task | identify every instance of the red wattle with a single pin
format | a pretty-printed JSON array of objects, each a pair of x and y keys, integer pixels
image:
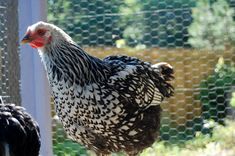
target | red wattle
[{"x": 38, "y": 43}]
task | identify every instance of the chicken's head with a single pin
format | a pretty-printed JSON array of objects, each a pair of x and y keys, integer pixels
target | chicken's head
[{"x": 37, "y": 35}]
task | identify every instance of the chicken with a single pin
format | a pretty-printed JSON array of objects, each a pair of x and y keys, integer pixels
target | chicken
[
  {"x": 108, "y": 105},
  {"x": 19, "y": 133}
]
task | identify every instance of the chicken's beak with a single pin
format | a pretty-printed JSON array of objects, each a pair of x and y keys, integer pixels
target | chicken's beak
[{"x": 26, "y": 39}]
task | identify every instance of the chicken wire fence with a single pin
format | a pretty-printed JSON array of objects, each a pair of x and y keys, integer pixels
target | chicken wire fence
[
  {"x": 9, "y": 58},
  {"x": 195, "y": 36}
]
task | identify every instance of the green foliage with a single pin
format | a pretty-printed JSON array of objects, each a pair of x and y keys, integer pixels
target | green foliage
[
  {"x": 213, "y": 26},
  {"x": 221, "y": 142},
  {"x": 87, "y": 22},
  {"x": 166, "y": 22},
  {"x": 69, "y": 148},
  {"x": 215, "y": 90},
  {"x": 137, "y": 22},
  {"x": 177, "y": 134},
  {"x": 133, "y": 31},
  {"x": 155, "y": 23},
  {"x": 232, "y": 102},
  {"x": 62, "y": 146}
]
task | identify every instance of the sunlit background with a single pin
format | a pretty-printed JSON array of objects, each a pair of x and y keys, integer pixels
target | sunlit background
[{"x": 197, "y": 37}]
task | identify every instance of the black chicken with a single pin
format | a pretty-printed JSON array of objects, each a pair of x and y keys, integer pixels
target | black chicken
[
  {"x": 108, "y": 105},
  {"x": 19, "y": 133}
]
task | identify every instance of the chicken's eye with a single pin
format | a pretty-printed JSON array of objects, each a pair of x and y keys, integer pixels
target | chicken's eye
[{"x": 41, "y": 32}]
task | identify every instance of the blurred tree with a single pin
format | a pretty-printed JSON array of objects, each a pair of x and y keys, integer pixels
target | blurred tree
[
  {"x": 88, "y": 22},
  {"x": 159, "y": 23},
  {"x": 232, "y": 102},
  {"x": 166, "y": 22},
  {"x": 131, "y": 22},
  {"x": 137, "y": 22},
  {"x": 215, "y": 91},
  {"x": 213, "y": 26}
]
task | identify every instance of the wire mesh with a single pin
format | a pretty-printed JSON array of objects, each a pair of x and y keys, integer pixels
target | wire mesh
[
  {"x": 188, "y": 34},
  {"x": 9, "y": 58}
]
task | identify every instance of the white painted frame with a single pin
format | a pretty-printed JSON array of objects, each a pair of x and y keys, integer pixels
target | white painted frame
[{"x": 34, "y": 85}]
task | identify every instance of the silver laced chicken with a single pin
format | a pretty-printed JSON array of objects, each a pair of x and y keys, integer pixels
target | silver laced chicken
[{"x": 108, "y": 105}]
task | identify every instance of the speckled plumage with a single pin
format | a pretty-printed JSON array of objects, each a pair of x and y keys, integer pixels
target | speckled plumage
[{"x": 108, "y": 105}]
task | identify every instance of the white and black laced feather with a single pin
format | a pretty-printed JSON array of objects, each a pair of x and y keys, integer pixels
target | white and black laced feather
[{"x": 108, "y": 105}]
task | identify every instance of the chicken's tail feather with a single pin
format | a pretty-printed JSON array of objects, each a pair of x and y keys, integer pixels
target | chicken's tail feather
[
  {"x": 166, "y": 70},
  {"x": 166, "y": 73}
]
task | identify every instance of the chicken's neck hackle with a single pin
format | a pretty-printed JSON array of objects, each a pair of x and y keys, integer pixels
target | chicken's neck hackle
[{"x": 67, "y": 62}]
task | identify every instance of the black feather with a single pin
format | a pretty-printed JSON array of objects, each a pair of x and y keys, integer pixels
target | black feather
[{"x": 18, "y": 131}]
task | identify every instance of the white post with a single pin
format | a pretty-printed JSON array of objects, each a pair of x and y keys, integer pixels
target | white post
[{"x": 34, "y": 86}]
